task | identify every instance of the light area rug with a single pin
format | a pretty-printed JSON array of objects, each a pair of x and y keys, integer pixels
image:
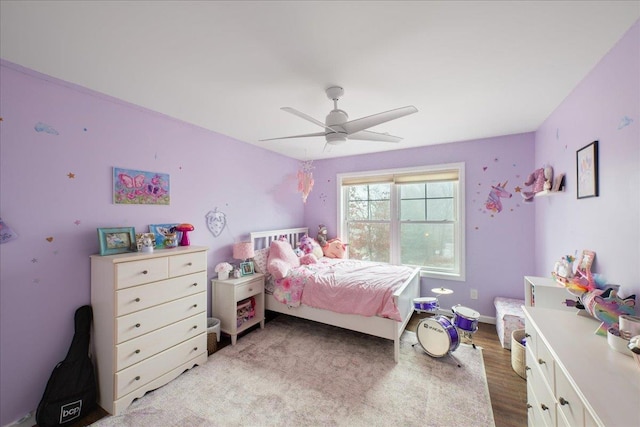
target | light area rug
[{"x": 301, "y": 373}]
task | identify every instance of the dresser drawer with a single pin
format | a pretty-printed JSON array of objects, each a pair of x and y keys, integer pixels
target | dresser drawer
[
  {"x": 180, "y": 265},
  {"x": 544, "y": 397},
  {"x": 535, "y": 417},
  {"x": 140, "y": 297},
  {"x": 136, "y": 350},
  {"x": 569, "y": 404},
  {"x": 532, "y": 338},
  {"x": 546, "y": 363},
  {"x": 141, "y": 322},
  {"x": 249, "y": 289},
  {"x": 139, "y": 374},
  {"x": 139, "y": 272}
]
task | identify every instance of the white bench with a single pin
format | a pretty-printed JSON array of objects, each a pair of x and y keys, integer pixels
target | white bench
[{"x": 509, "y": 317}]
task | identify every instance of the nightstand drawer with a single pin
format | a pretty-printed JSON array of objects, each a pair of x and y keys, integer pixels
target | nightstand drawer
[
  {"x": 138, "y": 375},
  {"x": 249, "y": 289},
  {"x": 180, "y": 265},
  {"x": 138, "y": 272},
  {"x": 141, "y": 322},
  {"x": 136, "y": 350},
  {"x": 140, "y": 297}
]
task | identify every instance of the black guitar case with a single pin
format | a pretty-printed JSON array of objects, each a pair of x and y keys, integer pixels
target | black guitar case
[{"x": 71, "y": 390}]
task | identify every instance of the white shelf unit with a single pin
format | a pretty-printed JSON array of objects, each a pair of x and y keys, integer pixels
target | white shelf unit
[{"x": 546, "y": 293}]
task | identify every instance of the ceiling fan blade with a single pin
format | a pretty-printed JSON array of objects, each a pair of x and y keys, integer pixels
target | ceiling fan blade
[
  {"x": 295, "y": 136},
  {"x": 306, "y": 117},
  {"x": 363, "y": 123},
  {"x": 367, "y": 135}
]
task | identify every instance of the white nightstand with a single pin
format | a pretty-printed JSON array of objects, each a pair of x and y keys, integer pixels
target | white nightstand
[{"x": 226, "y": 294}]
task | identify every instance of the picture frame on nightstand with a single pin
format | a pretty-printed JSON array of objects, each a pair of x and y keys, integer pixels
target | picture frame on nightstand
[{"x": 246, "y": 268}]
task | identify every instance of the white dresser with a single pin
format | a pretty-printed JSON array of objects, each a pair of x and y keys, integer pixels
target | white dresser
[
  {"x": 573, "y": 377},
  {"x": 149, "y": 320}
]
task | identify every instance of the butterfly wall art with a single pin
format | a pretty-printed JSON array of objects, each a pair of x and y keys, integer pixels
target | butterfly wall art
[{"x": 134, "y": 187}]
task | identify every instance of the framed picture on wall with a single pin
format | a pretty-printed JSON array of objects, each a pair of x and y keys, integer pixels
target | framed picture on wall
[
  {"x": 587, "y": 169},
  {"x": 117, "y": 240}
]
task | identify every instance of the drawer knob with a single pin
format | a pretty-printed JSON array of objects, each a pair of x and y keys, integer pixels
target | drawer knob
[
  {"x": 189, "y": 264},
  {"x": 541, "y": 362},
  {"x": 526, "y": 368},
  {"x": 563, "y": 401},
  {"x": 195, "y": 348},
  {"x": 195, "y": 305},
  {"x": 138, "y": 351},
  {"x": 544, "y": 407},
  {"x": 137, "y": 300},
  {"x": 195, "y": 284},
  {"x": 250, "y": 289},
  {"x": 138, "y": 378},
  {"x": 529, "y": 406},
  {"x": 137, "y": 325},
  {"x": 195, "y": 326},
  {"x": 145, "y": 271},
  {"x": 526, "y": 335}
]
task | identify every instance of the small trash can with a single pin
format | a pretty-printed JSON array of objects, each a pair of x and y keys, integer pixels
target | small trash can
[
  {"x": 518, "y": 352},
  {"x": 213, "y": 334}
]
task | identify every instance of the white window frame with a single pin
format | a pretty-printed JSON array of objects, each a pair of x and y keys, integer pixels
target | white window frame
[{"x": 460, "y": 224}]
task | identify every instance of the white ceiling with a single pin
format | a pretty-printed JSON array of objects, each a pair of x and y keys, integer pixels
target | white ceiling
[{"x": 473, "y": 69}]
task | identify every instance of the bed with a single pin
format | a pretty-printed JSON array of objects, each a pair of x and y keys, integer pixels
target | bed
[{"x": 383, "y": 327}]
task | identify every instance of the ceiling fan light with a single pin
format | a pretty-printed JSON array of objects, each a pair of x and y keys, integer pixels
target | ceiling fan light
[{"x": 335, "y": 138}]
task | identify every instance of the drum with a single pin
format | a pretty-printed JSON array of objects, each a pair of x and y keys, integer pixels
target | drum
[
  {"x": 426, "y": 303},
  {"x": 437, "y": 336},
  {"x": 465, "y": 318}
]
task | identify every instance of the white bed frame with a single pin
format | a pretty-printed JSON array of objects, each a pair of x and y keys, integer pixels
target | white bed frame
[{"x": 376, "y": 326}]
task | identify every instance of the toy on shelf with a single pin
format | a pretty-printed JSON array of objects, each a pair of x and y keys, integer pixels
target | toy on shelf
[{"x": 537, "y": 179}]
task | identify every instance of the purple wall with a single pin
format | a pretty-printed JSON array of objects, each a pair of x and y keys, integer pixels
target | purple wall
[
  {"x": 597, "y": 109},
  {"x": 42, "y": 282},
  {"x": 499, "y": 246}
]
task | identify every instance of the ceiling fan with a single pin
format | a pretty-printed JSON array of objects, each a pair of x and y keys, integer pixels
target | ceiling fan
[{"x": 337, "y": 129}]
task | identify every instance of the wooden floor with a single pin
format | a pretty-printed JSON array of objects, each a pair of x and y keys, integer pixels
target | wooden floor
[{"x": 508, "y": 391}]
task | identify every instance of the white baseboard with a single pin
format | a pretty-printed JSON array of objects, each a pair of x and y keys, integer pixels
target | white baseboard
[{"x": 28, "y": 420}]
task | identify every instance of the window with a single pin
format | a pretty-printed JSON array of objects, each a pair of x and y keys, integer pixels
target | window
[{"x": 407, "y": 216}]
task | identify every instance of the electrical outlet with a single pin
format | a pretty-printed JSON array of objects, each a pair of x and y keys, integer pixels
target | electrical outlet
[{"x": 474, "y": 294}]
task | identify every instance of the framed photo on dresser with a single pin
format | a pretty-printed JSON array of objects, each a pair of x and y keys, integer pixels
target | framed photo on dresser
[{"x": 117, "y": 240}]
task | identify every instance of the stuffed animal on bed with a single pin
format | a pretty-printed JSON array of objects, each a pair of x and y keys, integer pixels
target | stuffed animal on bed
[
  {"x": 308, "y": 245},
  {"x": 322, "y": 235},
  {"x": 334, "y": 249}
]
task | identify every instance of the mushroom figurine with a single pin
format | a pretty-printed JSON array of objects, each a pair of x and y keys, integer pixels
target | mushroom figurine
[{"x": 185, "y": 228}]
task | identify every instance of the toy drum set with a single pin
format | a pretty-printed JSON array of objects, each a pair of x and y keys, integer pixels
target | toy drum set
[{"x": 439, "y": 336}]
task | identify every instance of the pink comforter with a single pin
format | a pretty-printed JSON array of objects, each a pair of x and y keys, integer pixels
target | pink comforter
[{"x": 344, "y": 286}]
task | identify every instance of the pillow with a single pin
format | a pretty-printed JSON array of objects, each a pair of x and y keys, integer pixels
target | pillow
[
  {"x": 281, "y": 259},
  {"x": 307, "y": 259},
  {"x": 260, "y": 260}
]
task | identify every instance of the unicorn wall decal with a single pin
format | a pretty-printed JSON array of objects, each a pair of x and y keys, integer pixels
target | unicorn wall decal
[{"x": 497, "y": 192}]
